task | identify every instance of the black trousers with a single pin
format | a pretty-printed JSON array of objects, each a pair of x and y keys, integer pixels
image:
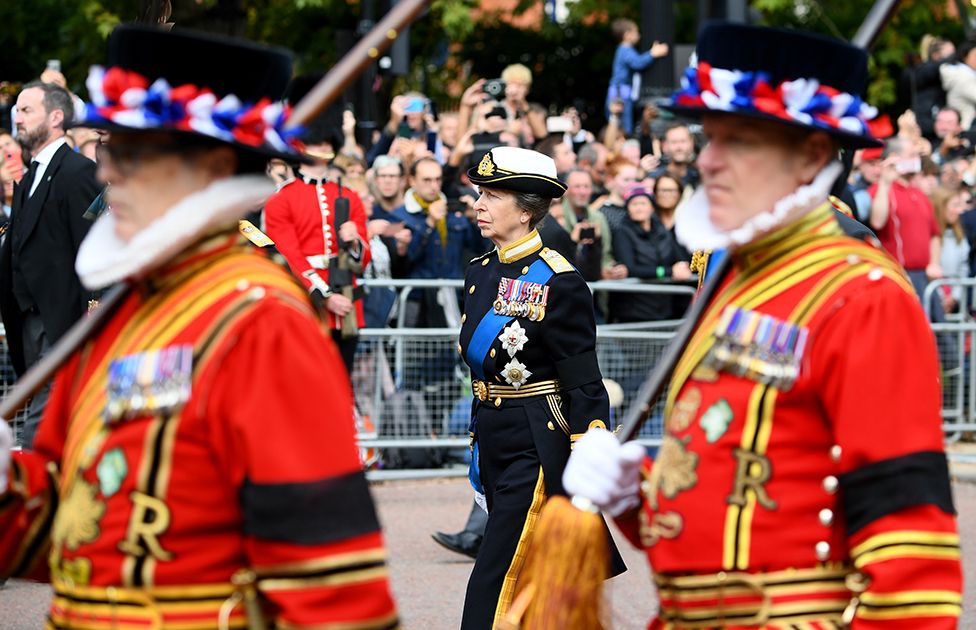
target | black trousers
[
  {"x": 521, "y": 462},
  {"x": 347, "y": 348},
  {"x": 36, "y": 346}
]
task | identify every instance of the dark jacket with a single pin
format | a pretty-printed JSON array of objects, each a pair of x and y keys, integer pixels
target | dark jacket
[
  {"x": 922, "y": 87},
  {"x": 427, "y": 257},
  {"x": 648, "y": 255},
  {"x": 45, "y": 232}
]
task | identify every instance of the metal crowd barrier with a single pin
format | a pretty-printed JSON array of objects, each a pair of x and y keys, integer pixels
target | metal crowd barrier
[
  {"x": 954, "y": 338},
  {"x": 413, "y": 393}
]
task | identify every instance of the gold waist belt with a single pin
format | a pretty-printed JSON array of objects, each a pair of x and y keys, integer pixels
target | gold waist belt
[
  {"x": 783, "y": 597},
  {"x": 484, "y": 390}
]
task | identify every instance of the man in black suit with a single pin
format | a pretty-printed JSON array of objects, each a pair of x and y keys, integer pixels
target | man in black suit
[{"x": 40, "y": 294}]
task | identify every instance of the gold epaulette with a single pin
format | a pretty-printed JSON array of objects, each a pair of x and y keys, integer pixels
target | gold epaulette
[
  {"x": 699, "y": 264},
  {"x": 253, "y": 234},
  {"x": 556, "y": 261}
]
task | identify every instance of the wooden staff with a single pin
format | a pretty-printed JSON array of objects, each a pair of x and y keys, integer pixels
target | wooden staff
[
  {"x": 325, "y": 92},
  {"x": 367, "y": 51}
]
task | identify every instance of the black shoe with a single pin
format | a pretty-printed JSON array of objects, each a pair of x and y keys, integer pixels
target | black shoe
[{"x": 465, "y": 543}]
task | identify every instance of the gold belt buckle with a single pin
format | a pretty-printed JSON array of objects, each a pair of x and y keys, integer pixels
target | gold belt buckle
[
  {"x": 480, "y": 390},
  {"x": 726, "y": 580}
]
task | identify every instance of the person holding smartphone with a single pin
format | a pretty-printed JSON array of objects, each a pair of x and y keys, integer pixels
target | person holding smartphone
[
  {"x": 903, "y": 218},
  {"x": 12, "y": 168}
]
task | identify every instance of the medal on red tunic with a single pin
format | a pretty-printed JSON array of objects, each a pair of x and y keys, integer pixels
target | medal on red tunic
[
  {"x": 149, "y": 383},
  {"x": 757, "y": 346}
]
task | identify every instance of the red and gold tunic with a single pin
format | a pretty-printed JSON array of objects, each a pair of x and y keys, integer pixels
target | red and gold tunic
[
  {"x": 300, "y": 219},
  {"x": 781, "y": 500},
  {"x": 199, "y": 510}
]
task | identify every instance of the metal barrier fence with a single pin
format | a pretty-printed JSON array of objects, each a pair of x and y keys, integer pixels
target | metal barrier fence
[
  {"x": 413, "y": 393},
  {"x": 954, "y": 338}
]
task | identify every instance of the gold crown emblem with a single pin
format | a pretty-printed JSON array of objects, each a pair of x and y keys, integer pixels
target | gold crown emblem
[{"x": 486, "y": 168}]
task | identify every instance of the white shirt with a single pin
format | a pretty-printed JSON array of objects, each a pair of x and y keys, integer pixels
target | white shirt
[{"x": 43, "y": 159}]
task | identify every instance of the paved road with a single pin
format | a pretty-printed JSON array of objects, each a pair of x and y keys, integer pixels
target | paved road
[{"x": 429, "y": 581}]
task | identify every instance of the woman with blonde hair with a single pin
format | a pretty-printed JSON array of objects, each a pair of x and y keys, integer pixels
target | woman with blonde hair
[{"x": 949, "y": 205}]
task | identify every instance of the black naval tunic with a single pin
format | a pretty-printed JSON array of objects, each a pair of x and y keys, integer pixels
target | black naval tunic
[{"x": 529, "y": 336}]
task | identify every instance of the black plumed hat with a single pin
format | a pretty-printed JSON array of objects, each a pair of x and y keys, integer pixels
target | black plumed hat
[
  {"x": 793, "y": 77},
  {"x": 195, "y": 84}
]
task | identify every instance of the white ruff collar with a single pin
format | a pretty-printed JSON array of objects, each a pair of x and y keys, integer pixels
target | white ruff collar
[
  {"x": 695, "y": 230},
  {"x": 104, "y": 258}
]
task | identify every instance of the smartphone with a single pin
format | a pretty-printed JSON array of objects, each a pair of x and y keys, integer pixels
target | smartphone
[
  {"x": 909, "y": 166},
  {"x": 588, "y": 233},
  {"x": 54, "y": 64},
  {"x": 10, "y": 158},
  {"x": 404, "y": 130},
  {"x": 559, "y": 124},
  {"x": 432, "y": 141}
]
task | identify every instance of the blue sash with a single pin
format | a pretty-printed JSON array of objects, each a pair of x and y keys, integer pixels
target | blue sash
[{"x": 492, "y": 323}]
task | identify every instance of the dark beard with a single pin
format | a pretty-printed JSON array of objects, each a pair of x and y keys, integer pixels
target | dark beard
[{"x": 34, "y": 138}]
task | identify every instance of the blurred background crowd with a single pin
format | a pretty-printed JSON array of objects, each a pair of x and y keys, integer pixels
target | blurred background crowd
[{"x": 627, "y": 164}]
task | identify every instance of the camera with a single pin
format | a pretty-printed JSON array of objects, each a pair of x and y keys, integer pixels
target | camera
[
  {"x": 495, "y": 88},
  {"x": 587, "y": 233}
]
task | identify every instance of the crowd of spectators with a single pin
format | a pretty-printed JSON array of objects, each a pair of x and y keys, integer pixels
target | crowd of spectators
[{"x": 626, "y": 178}]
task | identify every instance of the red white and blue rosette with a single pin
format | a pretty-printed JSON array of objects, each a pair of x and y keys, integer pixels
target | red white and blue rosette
[
  {"x": 801, "y": 102},
  {"x": 124, "y": 99}
]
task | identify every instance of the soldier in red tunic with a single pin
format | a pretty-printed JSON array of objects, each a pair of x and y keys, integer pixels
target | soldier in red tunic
[
  {"x": 801, "y": 480},
  {"x": 323, "y": 238},
  {"x": 185, "y": 473}
]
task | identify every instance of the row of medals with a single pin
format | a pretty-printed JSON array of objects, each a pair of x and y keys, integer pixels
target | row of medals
[
  {"x": 759, "y": 347},
  {"x": 151, "y": 382},
  {"x": 529, "y": 310}
]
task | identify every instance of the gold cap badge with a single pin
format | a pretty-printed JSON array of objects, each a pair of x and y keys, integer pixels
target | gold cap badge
[{"x": 486, "y": 168}]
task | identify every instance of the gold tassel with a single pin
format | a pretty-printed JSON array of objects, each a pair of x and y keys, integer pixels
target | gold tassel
[
  {"x": 561, "y": 585},
  {"x": 246, "y": 582}
]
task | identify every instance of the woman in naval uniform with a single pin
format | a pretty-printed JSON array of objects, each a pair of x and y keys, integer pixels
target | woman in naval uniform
[{"x": 529, "y": 336}]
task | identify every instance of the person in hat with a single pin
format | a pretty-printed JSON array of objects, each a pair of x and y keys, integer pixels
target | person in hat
[
  {"x": 528, "y": 334},
  {"x": 186, "y": 473},
  {"x": 801, "y": 480},
  {"x": 325, "y": 250},
  {"x": 648, "y": 251}
]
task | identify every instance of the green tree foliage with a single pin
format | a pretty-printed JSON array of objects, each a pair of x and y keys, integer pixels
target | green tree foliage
[
  {"x": 448, "y": 48},
  {"x": 896, "y": 48},
  {"x": 72, "y": 31}
]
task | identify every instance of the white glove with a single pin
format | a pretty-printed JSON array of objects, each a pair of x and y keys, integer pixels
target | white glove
[
  {"x": 6, "y": 443},
  {"x": 605, "y": 471}
]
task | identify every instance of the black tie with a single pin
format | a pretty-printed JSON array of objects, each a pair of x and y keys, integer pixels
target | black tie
[{"x": 28, "y": 180}]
